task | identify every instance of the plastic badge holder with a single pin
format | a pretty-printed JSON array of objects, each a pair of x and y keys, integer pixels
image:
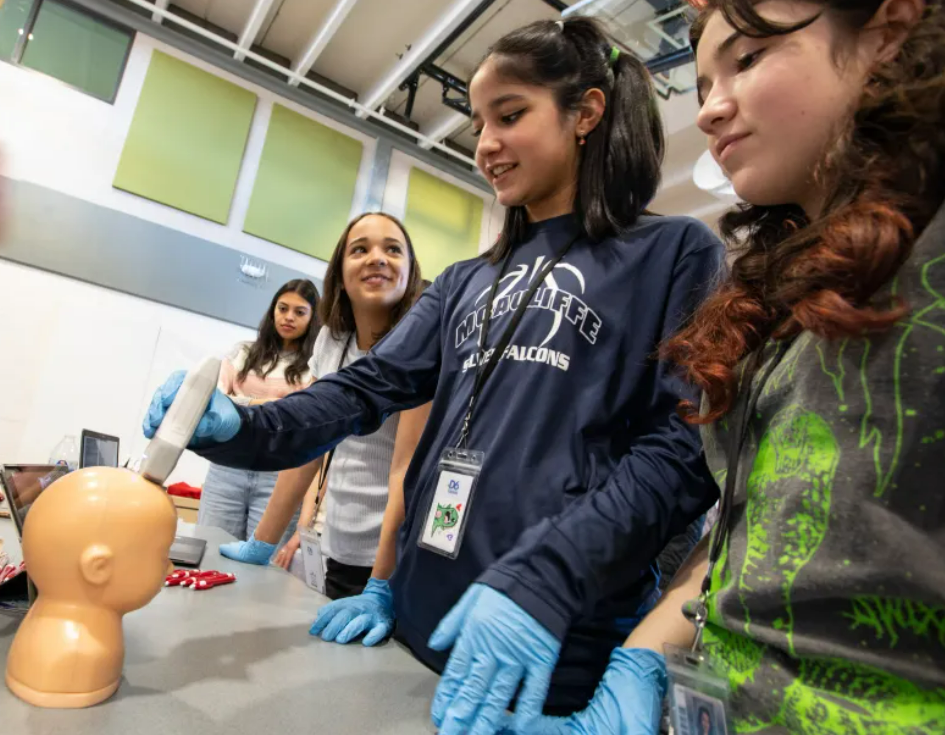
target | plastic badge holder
[
  {"x": 698, "y": 695},
  {"x": 312, "y": 559},
  {"x": 445, "y": 524}
]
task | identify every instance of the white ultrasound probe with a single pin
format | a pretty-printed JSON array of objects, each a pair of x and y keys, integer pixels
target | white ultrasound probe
[{"x": 180, "y": 422}]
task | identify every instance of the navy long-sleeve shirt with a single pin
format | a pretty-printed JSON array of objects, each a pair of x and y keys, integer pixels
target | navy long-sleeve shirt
[{"x": 588, "y": 468}]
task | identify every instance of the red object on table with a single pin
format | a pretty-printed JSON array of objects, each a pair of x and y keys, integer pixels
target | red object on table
[
  {"x": 198, "y": 579},
  {"x": 205, "y": 583},
  {"x": 183, "y": 490},
  {"x": 10, "y": 571}
]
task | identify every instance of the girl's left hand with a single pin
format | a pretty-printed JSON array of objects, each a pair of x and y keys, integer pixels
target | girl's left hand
[{"x": 286, "y": 553}]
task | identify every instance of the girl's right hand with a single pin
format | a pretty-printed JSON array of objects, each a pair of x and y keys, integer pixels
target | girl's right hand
[
  {"x": 287, "y": 553},
  {"x": 219, "y": 423}
]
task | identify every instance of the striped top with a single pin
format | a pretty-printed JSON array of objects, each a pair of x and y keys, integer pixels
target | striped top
[{"x": 360, "y": 469}]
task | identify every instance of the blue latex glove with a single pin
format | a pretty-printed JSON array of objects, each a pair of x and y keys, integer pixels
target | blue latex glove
[
  {"x": 219, "y": 423},
  {"x": 252, "y": 551},
  {"x": 628, "y": 699},
  {"x": 371, "y": 612},
  {"x": 497, "y": 644}
]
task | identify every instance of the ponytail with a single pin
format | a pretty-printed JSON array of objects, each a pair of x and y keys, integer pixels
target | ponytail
[{"x": 619, "y": 170}]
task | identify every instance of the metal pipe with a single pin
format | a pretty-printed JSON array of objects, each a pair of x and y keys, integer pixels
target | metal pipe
[
  {"x": 659, "y": 64},
  {"x": 304, "y": 81},
  {"x": 458, "y": 31},
  {"x": 449, "y": 81},
  {"x": 411, "y": 85}
]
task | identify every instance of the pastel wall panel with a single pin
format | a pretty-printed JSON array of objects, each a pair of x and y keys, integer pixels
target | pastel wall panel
[
  {"x": 305, "y": 184},
  {"x": 187, "y": 138},
  {"x": 444, "y": 222}
]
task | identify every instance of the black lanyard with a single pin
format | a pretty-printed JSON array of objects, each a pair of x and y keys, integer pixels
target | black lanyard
[
  {"x": 324, "y": 477},
  {"x": 484, "y": 371},
  {"x": 745, "y": 405}
]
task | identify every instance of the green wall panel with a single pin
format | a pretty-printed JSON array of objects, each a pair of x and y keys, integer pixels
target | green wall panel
[
  {"x": 79, "y": 50},
  {"x": 305, "y": 184},
  {"x": 13, "y": 16},
  {"x": 444, "y": 222},
  {"x": 187, "y": 138}
]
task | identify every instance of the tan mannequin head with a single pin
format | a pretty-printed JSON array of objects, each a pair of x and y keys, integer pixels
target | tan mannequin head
[{"x": 96, "y": 545}]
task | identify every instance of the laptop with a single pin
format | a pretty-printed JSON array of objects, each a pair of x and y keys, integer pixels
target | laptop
[
  {"x": 98, "y": 450},
  {"x": 22, "y": 484}
]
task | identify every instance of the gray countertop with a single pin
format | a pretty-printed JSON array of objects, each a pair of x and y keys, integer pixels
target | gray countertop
[{"x": 238, "y": 659}]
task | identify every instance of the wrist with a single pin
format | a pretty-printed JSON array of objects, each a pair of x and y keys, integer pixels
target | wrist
[
  {"x": 640, "y": 665},
  {"x": 380, "y": 588},
  {"x": 260, "y": 543}
]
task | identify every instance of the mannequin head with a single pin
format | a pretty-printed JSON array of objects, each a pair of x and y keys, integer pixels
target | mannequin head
[{"x": 100, "y": 537}]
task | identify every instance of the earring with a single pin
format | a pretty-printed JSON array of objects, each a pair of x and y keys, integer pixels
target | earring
[{"x": 581, "y": 140}]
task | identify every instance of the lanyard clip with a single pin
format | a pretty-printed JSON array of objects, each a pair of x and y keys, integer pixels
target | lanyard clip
[
  {"x": 699, "y": 621},
  {"x": 701, "y": 616}
]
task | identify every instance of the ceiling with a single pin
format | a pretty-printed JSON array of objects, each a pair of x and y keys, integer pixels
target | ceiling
[{"x": 363, "y": 44}]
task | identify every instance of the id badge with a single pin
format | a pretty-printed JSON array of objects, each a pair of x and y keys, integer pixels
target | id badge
[
  {"x": 446, "y": 519},
  {"x": 698, "y": 696},
  {"x": 312, "y": 560}
]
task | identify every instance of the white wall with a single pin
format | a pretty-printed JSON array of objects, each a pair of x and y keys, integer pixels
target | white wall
[{"x": 75, "y": 356}]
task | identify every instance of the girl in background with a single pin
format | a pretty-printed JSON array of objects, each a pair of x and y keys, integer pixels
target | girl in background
[
  {"x": 273, "y": 366},
  {"x": 373, "y": 279}
]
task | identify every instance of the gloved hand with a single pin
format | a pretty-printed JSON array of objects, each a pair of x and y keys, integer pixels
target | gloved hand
[
  {"x": 498, "y": 645},
  {"x": 252, "y": 551},
  {"x": 219, "y": 423},
  {"x": 628, "y": 699},
  {"x": 344, "y": 620}
]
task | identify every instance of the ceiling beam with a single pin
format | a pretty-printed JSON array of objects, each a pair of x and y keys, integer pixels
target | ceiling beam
[
  {"x": 458, "y": 13},
  {"x": 251, "y": 29},
  {"x": 208, "y": 53},
  {"x": 162, "y": 4},
  {"x": 330, "y": 25},
  {"x": 443, "y": 127}
]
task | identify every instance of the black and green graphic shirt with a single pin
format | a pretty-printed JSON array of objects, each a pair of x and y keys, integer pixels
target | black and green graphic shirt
[{"x": 827, "y": 609}]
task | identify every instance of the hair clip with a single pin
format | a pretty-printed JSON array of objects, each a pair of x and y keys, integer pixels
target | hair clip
[
  {"x": 614, "y": 55},
  {"x": 560, "y": 24}
]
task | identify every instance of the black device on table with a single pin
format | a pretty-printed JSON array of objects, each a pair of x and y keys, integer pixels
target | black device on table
[
  {"x": 187, "y": 551},
  {"x": 98, "y": 450}
]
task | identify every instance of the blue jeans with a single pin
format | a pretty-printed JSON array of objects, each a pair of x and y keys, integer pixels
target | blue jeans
[{"x": 235, "y": 500}]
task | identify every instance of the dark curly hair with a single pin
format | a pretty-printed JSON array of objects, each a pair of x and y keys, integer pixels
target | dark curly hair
[{"x": 885, "y": 179}]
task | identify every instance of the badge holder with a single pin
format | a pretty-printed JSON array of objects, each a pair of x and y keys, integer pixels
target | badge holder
[
  {"x": 312, "y": 560},
  {"x": 698, "y": 692},
  {"x": 446, "y": 520},
  {"x": 698, "y": 696}
]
